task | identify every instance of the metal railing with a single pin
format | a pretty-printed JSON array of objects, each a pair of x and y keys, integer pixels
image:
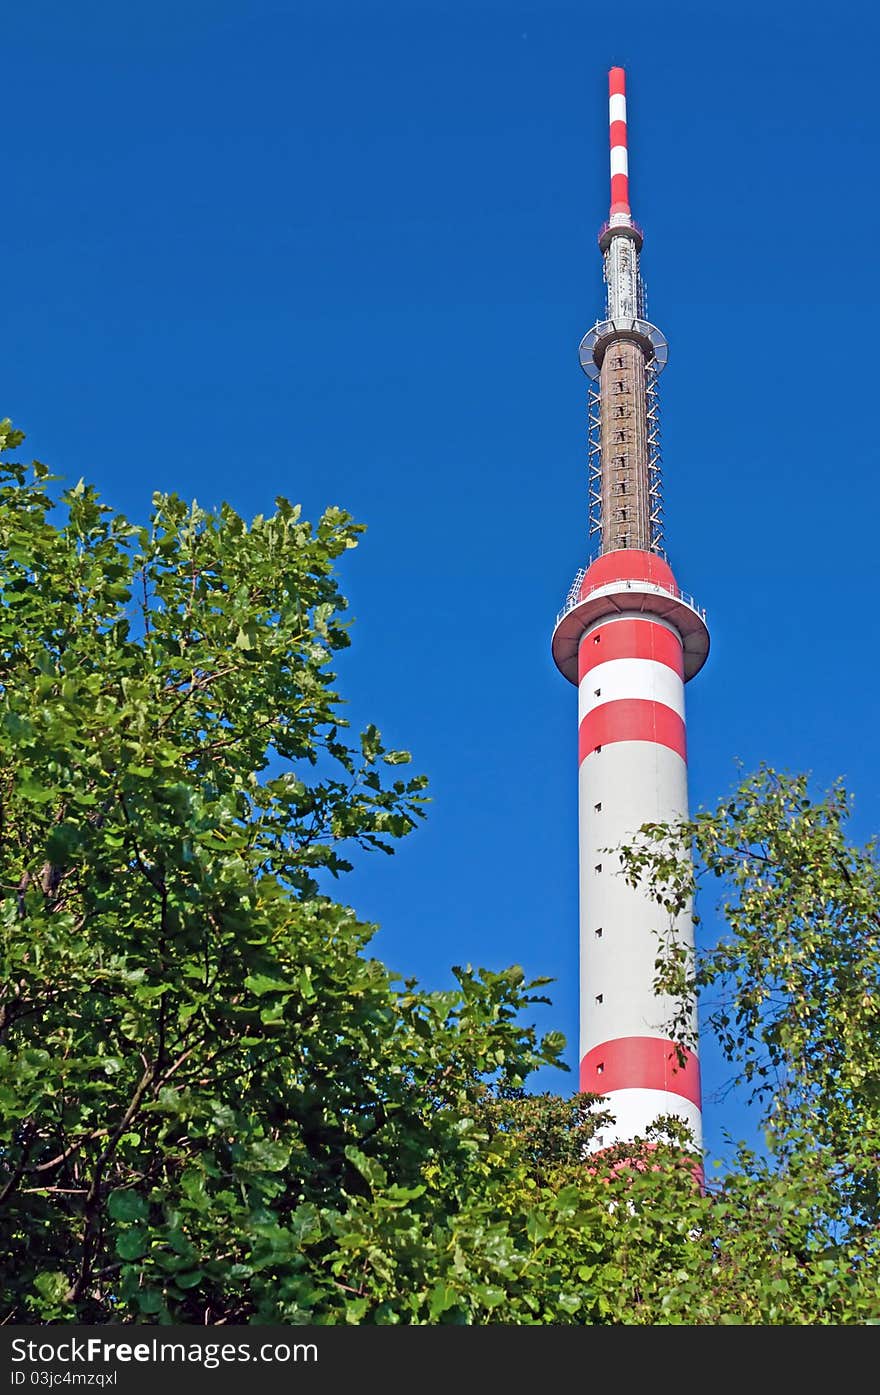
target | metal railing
[
  {"x": 608, "y": 227},
  {"x": 574, "y": 597}
]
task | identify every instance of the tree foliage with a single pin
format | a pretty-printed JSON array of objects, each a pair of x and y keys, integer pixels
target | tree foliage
[
  {"x": 792, "y": 988},
  {"x": 200, "y": 1068},
  {"x": 215, "y": 1106}
]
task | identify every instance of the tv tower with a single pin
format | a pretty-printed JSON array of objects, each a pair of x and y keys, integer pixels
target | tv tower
[{"x": 629, "y": 639}]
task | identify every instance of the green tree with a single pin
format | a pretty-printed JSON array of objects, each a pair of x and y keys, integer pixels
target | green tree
[
  {"x": 794, "y": 982},
  {"x": 790, "y": 991},
  {"x": 201, "y": 1071}
]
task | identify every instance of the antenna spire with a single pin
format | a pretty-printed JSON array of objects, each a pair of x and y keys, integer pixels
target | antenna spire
[{"x": 617, "y": 136}]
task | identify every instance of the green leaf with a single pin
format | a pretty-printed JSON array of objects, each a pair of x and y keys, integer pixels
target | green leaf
[
  {"x": 489, "y": 1296},
  {"x": 52, "y": 1285},
  {"x": 127, "y": 1206},
  {"x": 261, "y": 984},
  {"x": 370, "y": 1170},
  {"x": 264, "y": 1155},
  {"x": 442, "y": 1299},
  {"x": 131, "y": 1244}
]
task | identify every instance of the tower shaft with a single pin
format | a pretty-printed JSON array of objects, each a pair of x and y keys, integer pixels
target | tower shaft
[{"x": 633, "y": 769}]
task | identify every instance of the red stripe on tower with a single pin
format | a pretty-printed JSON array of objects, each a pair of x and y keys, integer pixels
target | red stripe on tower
[
  {"x": 618, "y": 141},
  {"x": 618, "y": 133},
  {"x": 640, "y": 1063},
  {"x": 631, "y": 719},
  {"x": 630, "y": 639}
]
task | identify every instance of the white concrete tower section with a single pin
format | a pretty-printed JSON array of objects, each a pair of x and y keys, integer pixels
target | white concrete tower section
[{"x": 629, "y": 639}]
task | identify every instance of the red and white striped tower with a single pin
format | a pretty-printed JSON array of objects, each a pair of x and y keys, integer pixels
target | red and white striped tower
[{"x": 629, "y": 639}]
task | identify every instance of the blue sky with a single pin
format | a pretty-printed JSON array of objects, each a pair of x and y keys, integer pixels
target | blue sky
[{"x": 345, "y": 252}]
